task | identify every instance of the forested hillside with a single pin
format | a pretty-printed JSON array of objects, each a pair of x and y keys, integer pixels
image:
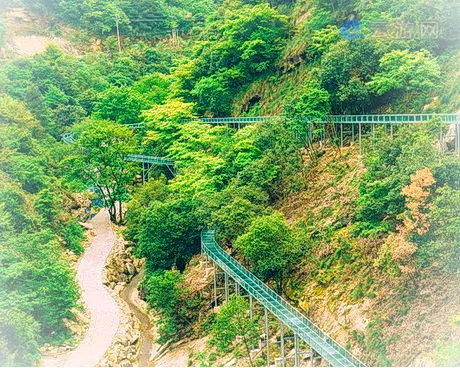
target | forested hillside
[{"x": 364, "y": 241}]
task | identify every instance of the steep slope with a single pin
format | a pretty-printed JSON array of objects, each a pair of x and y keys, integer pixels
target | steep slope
[{"x": 342, "y": 285}]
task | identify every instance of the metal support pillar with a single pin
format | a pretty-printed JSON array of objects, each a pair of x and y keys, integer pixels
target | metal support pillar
[
  {"x": 359, "y": 127},
  {"x": 323, "y": 134},
  {"x": 267, "y": 339},
  {"x": 226, "y": 286},
  {"x": 312, "y": 354},
  {"x": 296, "y": 350},
  {"x": 352, "y": 133},
  {"x": 282, "y": 353},
  {"x": 215, "y": 285},
  {"x": 391, "y": 130},
  {"x": 341, "y": 135},
  {"x": 251, "y": 306},
  {"x": 237, "y": 288},
  {"x": 457, "y": 138}
]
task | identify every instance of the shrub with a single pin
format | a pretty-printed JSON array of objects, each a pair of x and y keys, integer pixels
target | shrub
[{"x": 73, "y": 236}]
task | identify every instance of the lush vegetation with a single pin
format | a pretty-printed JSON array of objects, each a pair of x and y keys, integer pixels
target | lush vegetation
[
  {"x": 394, "y": 225},
  {"x": 38, "y": 290}
]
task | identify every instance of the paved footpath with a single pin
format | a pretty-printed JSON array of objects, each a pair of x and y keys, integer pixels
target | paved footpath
[{"x": 104, "y": 311}]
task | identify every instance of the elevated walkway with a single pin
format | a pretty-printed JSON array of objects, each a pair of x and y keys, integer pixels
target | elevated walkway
[
  {"x": 349, "y": 119},
  {"x": 150, "y": 160},
  {"x": 306, "y": 330}
]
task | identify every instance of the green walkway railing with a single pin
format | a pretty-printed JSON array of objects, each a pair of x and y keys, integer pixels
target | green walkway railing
[
  {"x": 350, "y": 119},
  {"x": 146, "y": 161},
  {"x": 306, "y": 330},
  {"x": 68, "y": 138},
  {"x": 150, "y": 160},
  {"x": 392, "y": 118}
]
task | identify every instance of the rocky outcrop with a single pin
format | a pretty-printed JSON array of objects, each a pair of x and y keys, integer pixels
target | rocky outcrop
[{"x": 121, "y": 267}]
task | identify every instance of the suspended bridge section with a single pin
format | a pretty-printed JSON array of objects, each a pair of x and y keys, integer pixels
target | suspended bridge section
[
  {"x": 301, "y": 326},
  {"x": 351, "y": 119},
  {"x": 348, "y": 129},
  {"x": 150, "y": 160},
  {"x": 147, "y": 161}
]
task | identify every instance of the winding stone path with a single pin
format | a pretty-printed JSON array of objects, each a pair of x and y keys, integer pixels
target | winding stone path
[{"x": 104, "y": 311}]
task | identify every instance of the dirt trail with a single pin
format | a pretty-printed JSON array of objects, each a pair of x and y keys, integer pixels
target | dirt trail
[
  {"x": 131, "y": 296},
  {"x": 104, "y": 311}
]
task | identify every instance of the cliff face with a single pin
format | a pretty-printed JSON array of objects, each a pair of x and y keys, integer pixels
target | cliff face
[{"x": 341, "y": 286}]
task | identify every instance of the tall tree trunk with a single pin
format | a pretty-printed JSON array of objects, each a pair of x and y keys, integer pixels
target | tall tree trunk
[
  {"x": 120, "y": 211},
  {"x": 248, "y": 350}
]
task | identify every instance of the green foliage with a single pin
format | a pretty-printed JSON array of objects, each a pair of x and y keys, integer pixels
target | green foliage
[
  {"x": 98, "y": 160},
  {"x": 215, "y": 92},
  {"x": 268, "y": 244},
  {"x": 322, "y": 39},
  {"x": 164, "y": 122},
  {"x": 439, "y": 246},
  {"x": 48, "y": 204},
  {"x": 37, "y": 288},
  {"x": 121, "y": 104},
  {"x": 163, "y": 295},
  {"x": 73, "y": 237},
  {"x": 169, "y": 295},
  {"x": 168, "y": 234},
  {"x": 389, "y": 167},
  {"x": 242, "y": 47},
  {"x": 153, "y": 190},
  {"x": 134, "y": 17},
  {"x": 60, "y": 89},
  {"x": 34, "y": 271},
  {"x": 18, "y": 338},
  {"x": 313, "y": 103},
  {"x": 417, "y": 73},
  {"x": 233, "y": 209},
  {"x": 232, "y": 322},
  {"x": 375, "y": 344}
]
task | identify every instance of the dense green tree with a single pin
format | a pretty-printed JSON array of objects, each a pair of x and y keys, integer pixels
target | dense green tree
[
  {"x": 169, "y": 294},
  {"x": 268, "y": 245},
  {"x": 389, "y": 167},
  {"x": 120, "y": 104},
  {"x": 98, "y": 160},
  {"x": 244, "y": 46},
  {"x": 232, "y": 210},
  {"x": 403, "y": 71},
  {"x": 168, "y": 234},
  {"x": 164, "y": 122},
  {"x": 42, "y": 276},
  {"x": 233, "y": 321}
]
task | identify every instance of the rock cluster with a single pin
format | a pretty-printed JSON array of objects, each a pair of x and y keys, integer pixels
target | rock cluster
[{"x": 120, "y": 269}]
